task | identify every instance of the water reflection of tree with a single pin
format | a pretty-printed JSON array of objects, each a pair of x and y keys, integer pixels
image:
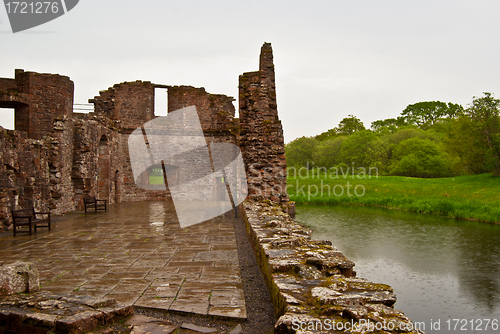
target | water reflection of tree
[{"x": 479, "y": 273}]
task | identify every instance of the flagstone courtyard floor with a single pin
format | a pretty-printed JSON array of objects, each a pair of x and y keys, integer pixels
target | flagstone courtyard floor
[{"x": 137, "y": 254}]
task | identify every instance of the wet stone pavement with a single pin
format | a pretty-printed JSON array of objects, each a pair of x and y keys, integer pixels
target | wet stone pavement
[{"x": 137, "y": 254}]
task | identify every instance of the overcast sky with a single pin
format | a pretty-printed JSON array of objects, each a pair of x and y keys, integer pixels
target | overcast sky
[{"x": 332, "y": 58}]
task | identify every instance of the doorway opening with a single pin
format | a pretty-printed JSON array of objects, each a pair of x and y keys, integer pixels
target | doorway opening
[{"x": 161, "y": 101}]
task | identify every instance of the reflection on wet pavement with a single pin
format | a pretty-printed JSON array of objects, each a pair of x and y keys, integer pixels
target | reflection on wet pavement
[{"x": 137, "y": 254}]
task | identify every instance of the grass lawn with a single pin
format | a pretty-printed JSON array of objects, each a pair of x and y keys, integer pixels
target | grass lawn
[{"x": 462, "y": 197}]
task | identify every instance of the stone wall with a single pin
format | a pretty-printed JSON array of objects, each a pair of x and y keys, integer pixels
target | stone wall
[
  {"x": 60, "y": 161},
  {"x": 24, "y": 172},
  {"x": 95, "y": 158},
  {"x": 51, "y": 173},
  {"x": 38, "y": 98},
  {"x": 130, "y": 103},
  {"x": 7, "y": 85},
  {"x": 36, "y": 159},
  {"x": 216, "y": 111}
]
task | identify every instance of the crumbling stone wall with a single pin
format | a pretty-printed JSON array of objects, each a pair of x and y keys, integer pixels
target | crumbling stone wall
[
  {"x": 131, "y": 103},
  {"x": 35, "y": 159},
  {"x": 44, "y": 173},
  {"x": 216, "y": 111},
  {"x": 127, "y": 106},
  {"x": 23, "y": 172},
  {"x": 7, "y": 85},
  {"x": 60, "y": 147},
  {"x": 261, "y": 136},
  {"x": 216, "y": 114},
  {"x": 91, "y": 172}
]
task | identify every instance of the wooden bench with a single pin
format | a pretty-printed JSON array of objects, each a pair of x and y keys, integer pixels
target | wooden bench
[
  {"x": 28, "y": 217},
  {"x": 95, "y": 204}
]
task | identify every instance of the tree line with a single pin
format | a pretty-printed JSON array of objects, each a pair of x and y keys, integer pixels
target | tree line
[{"x": 429, "y": 139}]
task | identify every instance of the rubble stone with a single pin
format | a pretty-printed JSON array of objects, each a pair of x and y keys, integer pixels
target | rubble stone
[{"x": 18, "y": 277}]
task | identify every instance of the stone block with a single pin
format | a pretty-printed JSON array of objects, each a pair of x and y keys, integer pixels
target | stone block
[
  {"x": 18, "y": 277},
  {"x": 198, "y": 329},
  {"x": 80, "y": 322}
]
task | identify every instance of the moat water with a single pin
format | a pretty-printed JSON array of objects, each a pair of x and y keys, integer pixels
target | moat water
[{"x": 441, "y": 269}]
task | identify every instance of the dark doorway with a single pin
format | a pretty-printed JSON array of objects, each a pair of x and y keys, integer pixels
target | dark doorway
[{"x": 103, "y": 169}]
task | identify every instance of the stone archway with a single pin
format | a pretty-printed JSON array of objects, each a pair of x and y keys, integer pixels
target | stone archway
[
  {"x": 103, "y": 169},
  {"x": 155, "y": 177}
]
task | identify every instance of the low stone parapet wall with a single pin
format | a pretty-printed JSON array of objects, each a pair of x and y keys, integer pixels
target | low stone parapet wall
[
  {"x": 44, "y": 312},
  {"x": 313, "y": 286}
]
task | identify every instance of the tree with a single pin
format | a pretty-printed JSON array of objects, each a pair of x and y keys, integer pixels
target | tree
[
  {"x": 332, "y": 133},
  {"x": 416, "y": 157},
  {"x": 463, "y": 144},
  {"x": 406, "y": 133},
  {"x": 349, "y": 125},
  {"x": 357, "y": 149},
  {"x": 300, "y": 151},
  {"x": 390, "y": 124},
  {"x": 426, "y": 113},
  {"x": 484, "y": 114},
  {"x": 346, "y": 127},
  {"x": 328, "y": 152}
]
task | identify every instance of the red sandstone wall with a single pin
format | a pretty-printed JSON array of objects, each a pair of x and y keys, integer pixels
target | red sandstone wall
[
  {"x": 60, "y": 159},
  {"x": 52, "y": 97},
  {"x": 130, "y": 103},
  {"x": 36, "y": 159},
  {"x": 216, "y": 112},
  {"x": 7, "y": 84},
  {"x": 23, "y": 173},
  {"x": 96, "y": 165}
]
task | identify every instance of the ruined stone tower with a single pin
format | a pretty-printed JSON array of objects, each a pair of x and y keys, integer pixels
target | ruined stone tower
[
  {"x": 38, "y": 98},
  {"x": 261, "y": 136}
]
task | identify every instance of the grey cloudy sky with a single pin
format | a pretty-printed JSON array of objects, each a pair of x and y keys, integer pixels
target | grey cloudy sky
[{"x": 332, "y": 58}]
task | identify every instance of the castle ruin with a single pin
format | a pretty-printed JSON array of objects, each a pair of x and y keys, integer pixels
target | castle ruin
[{"x": 55, "y": 156}]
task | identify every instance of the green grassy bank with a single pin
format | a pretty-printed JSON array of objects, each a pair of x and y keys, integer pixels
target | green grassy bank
[{"x": 464, "y": 197}]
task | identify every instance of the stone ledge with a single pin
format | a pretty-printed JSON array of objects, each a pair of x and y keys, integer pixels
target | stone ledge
[
  {"x": 49, "y": 313},
  {"x": 310, "y": 281}
]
